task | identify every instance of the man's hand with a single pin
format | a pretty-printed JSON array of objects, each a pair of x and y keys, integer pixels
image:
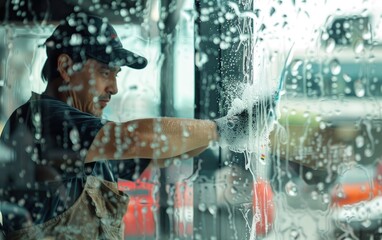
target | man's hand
[{"x": 244, "y": 126}]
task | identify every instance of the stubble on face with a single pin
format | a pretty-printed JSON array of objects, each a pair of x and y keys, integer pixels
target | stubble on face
[
  {"x": 99, "y": 103},
  {"x": 91, "y": 98}
]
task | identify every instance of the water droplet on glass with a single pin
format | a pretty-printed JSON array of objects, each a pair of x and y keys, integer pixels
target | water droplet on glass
[
  {"x": 359, "y": 88},
  {"x": 131, "y": 127},
  {"x": 295, "y": 65},
  {"x": 21, "y": 202},
  {"x": 161, "y": 25},
  {"x": 224, "y": 45},
  {"x": 170, "y": 210},
  {"x": 212, "y": 209},
  {"x": 37, "y": 117},
  {"x": 186, "y": 133},
  {"x": 229, "y": 16},
  {"x": 346, "y": 77},
  {"x": 294, "y": 234},
  {"x": 154, "y": 208},
  {"x": 144, "y": 210},
  {"x": 368, "y": 152},
  {"x": 359, "y": 141},
  {"x": 347, "y": 90},
  {"x": 291, "y": 189},
  {"x": 74, "y": 136},
  {"x": 314, "y": 195},
  {"x": 123, "y": 12},
  {"x": 330, "y": 45},
  {"x": 326, "y": 198},
  {"x": 340, "y": 194},
  {"x": 309, "y": 175},
  {"x": 349, "y": 151},
  {"x": 346, "y": 25},
  {"x": 202, "y": 207},
  {"x": 37, "y": 136},
  {"x": 325, "y": 36},
  {"x": 358, "y": 46},
  {"x": 366, "y": 223},
  {"x": 200, "y": 59},
  {"x": 366, "y": 35},
  {"x": 320, "y": 186},
  {"x": 29, "y": 149},
  {"x": 335, "y": 66},
  {"x": 22, "y": 173}
]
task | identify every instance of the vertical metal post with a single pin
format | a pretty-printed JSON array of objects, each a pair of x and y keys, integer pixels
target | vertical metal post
[
  {"x": 221, "y": 58},
  {"x": 169, "y": 12},
  {"x": 208, "y": 61}
]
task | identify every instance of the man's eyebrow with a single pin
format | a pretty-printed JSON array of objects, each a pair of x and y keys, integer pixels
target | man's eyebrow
[{"x": 114, "y": 69}]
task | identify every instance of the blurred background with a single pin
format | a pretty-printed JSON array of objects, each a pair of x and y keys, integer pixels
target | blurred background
[{"x": 320, "y": 177}]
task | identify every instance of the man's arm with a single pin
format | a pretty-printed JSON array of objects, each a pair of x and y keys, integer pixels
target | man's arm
[
  {"x": 161, "y": 163},
  {"x": 154, "y": 138}
]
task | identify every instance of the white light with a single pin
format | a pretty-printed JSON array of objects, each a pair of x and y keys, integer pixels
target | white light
[{"x": 155, "y": 16}]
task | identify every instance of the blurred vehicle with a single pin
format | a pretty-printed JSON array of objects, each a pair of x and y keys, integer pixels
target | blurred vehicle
[
  {"x": 331, "y": 119},
  {"x": 357, "y": 202},
  {"x": 331, "y": 110}
]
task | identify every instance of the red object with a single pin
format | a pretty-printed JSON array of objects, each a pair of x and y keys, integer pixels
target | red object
[
  {"x": 263, "y": 207},
  {"x": 184, "y": 209},
  {"x": 139, "y": 218},
  {"x": 140, "y": 215}
]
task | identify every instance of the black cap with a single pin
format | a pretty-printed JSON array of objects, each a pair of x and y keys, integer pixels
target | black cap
[{"x": 92, "y": 37}]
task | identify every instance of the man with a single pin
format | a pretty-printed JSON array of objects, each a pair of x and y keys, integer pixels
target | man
[{"x": 66, "y": 156}]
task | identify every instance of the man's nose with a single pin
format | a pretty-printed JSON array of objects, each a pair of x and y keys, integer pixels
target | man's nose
[{"x": 112, "y": 87}]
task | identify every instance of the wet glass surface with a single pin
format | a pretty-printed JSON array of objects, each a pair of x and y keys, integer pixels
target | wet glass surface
[{"x": 306, "y": 163}]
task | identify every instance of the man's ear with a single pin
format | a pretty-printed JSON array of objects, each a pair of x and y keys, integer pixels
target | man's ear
[{"x": 64, "y": 64}]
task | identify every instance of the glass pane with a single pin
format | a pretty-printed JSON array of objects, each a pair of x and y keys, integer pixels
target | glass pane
[
  {"x": 301, "y": 78},
  {"x": 317, "y": 177}
]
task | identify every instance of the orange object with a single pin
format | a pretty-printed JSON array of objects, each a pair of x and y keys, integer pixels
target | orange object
[{"x": 351, "y": 193}]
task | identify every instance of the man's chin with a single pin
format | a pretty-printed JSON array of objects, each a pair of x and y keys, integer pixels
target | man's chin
[{"x": 97, "y": 112}]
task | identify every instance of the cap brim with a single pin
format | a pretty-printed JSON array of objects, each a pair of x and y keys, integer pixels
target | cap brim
[{"x": 120, "y": 57}]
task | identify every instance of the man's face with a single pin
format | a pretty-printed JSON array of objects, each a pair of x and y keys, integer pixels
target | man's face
[{"x": 91, "y": 87}]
